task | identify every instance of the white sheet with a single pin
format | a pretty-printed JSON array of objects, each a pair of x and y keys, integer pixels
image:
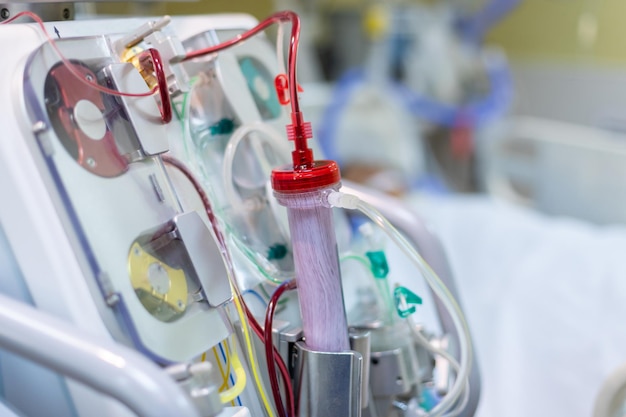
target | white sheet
[{"x": 545, "y": 298}]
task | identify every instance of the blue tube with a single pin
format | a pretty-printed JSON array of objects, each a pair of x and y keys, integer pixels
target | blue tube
[
  {"x": 328, "y": 125},
  {"x": 474, "y": 114},
  {"x": 257, "y": 295},
  {"x": 232, "y": 380}
]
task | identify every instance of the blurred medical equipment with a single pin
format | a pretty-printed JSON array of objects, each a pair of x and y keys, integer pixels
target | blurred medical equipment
[
  {"x": 425, "y": 95},
  {"x": 136, "y": 159}
]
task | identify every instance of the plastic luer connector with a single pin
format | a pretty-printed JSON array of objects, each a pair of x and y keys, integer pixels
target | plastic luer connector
[{"x": 305, "y": 174}]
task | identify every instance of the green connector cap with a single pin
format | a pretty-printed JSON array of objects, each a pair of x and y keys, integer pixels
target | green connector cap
[
  {"x": 405, "y": 301},
  {"x": 380, "y": 268},
  {"x": 277, "y": 251},
  {"x": 222, "y": 127}
]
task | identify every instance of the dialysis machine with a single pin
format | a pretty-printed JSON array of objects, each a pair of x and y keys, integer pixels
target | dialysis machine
[{"x": 165, "y": 250}]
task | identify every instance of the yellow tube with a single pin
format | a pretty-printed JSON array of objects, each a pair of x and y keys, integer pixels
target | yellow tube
[
  {"x": 222, "y": 373},
  {"x": 240, "y": 380},
  {"x": 253, "y": 363}
]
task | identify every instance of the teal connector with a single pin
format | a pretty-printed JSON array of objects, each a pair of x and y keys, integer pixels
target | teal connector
[
  {"x": 277, "y": 251},
  {"x": 222, "y": 127},
  {"x": 429, "y": 399},
  {"x": 380, "y": 268},
  {"x": 405, "y": 301}
]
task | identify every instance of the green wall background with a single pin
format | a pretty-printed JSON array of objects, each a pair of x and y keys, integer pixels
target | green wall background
[
  {"x": 587, "y": 31},
  {"x": 258, "y": 8},
  {"x": 577, "y": 31}
]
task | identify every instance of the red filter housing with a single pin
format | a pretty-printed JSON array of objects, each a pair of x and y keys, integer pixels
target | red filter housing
[{"x": 320, "y": 174}]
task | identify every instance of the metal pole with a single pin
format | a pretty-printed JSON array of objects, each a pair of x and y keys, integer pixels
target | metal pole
[{"x": 97, "y": 362}]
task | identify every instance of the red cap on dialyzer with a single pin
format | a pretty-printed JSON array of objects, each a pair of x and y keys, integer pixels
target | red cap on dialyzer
[
  {"x": 321, "y": 174},
  {"x": 306, "y": 174}
]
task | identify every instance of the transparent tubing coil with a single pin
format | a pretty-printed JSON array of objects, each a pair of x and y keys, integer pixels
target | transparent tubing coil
[
  {"x": 274, "y": 140},
  {"x": 269, "y": 137},
  {"x": 347, "y": 201},
  {"x": 421, "y": 340}
]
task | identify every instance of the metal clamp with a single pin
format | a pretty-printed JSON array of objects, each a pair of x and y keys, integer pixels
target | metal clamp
[
  {"x": 360, "y": 342},
  {"x": 327, "y": 384},
  {"x": 393, "y": 372}
]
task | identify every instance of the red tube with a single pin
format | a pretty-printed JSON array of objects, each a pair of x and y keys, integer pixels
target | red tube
[
  {"x": 299, "y": 131},
  {"x": 254, "y": 324},
  {"x": 269, "y": 345},
  {"x": 277, "y": 17},
  {"x": 69, "y": 64},
  {"x": 284, "y": 372},
  {"x": 205, "y": 200},
  {"x": 157, "y": 64}
]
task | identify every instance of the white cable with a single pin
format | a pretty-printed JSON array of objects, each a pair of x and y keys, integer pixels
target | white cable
[
  {"x": 462, "y": 404},
  {"x": 419, "y": 338},
  {"x": 269, "y": 136},
  {"x": 352, "y": 202}
]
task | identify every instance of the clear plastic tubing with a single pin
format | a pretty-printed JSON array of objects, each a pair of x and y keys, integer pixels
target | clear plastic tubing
[
  {"x": 317, "y": 268},
  {"x": 348, "y": 201}
]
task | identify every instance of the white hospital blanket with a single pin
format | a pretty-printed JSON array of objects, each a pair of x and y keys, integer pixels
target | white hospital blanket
[{"x": 545, "y": 298}]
